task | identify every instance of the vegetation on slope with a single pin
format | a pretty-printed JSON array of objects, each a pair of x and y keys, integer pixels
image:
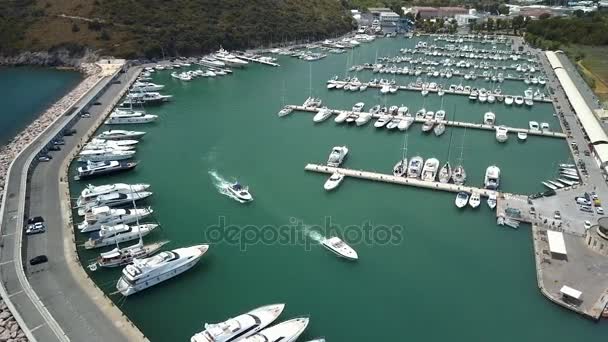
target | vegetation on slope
[
  {"x": 152, "y": 28},
  {"x": 585, "y": 29}
]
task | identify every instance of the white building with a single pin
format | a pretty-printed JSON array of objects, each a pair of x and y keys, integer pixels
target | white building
[{"x": 465, "y": 19}]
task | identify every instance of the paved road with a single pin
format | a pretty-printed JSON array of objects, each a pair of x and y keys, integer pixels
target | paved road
[{"x": 79, "y": 317}]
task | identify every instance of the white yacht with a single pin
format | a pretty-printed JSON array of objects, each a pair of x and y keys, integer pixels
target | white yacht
[
  {"x": 534, "y": 126},
  {"x": 489, "y": 118},
  {"x": 363, "y": 119},
  {"x": 445, "y": 173},
  {"x": 229, "y": 59},
  {"x": 146, "y": 87},
  {"x": 502, "y": 133},
  {"x": 211, "y": 62},
  {"x": 400, "y": 169},
  {"x": 240, "y": 327},
  {"x": 508, "y": 100},
  {"x": 492, "y": 201},
  {"x": 93, "y": 169},
  {"x": 241, "y": 192},
  {"x": 544, "y": 126},
  {"x": 112, "y": 235},
  {"x": 322, "y": 114},
  {"x": 91, "y": 192},
  {"x": 440, "y": 115},
  {"x": 333, "y": 181},
  {"x": 492, "y": 177},
  {"x": 522, "y": 136},
  {"x": 459, "y": 175},
  {"x": 358, "y": 107},
  {"x": 341, "y": 117},
  {"x": 414, "y": 168},
  {"x": 122, "y": 256},
  {"x": 287, "y": 331},
  {"x": 340, "y": 248},
  {"x": 113, "y": 199},
  {"x": 104, "y": 155},
  {"x": 337, "y": 155},
  {"x": 108, "y": 144},
  {"x": 475, "y": 200},
  {"x": 462, "y": 198},
  {"x": 119, "y": 134},
  {"x": 519, "y": 100},
  {"x": 106, "y": 216},
  {"x": 439, "y": 129},
  {"x": 120, "y": 117},
  {"x": 117, "y": 143},
  {"x": 383, "y": 120},
  {"x": 430, "y": 169},
  {"x": 285, "y": 111},
  {"x": 405, "y": 123},
  {"x": 147, "y": 272}
]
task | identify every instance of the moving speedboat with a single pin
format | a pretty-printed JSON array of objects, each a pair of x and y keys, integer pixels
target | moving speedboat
[
  {"x": 322, "y": 114},
  {"x": 240, "y": 192},
  {"x": 240, "y": 327},
  {"x": 104, "y": 168},
  {"x": 400, "y": 168},
  {"x": 106, "y": 216},
  {"x": 502, "y": 133},
  {"x": 492, "y": 177},
  {"x": 430, "y": 169},
  {"x": 462, "y": 198},
  {"x": 414, "y": 169},
  {"x": 111, "y": 235},
  {"x": 337, "y": 155},
  {"x": 144, "y": 273},
  {"x": 340, "y": 248},
  {"x": 475, "y": 200},
  {"x": 492, "y": 201},
  {"x": 287, "y": 331},
  {"x": 333, "y": 181},
  {"x": 118, "y": 134}
]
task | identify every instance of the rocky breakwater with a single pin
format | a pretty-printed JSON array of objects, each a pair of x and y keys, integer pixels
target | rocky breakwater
[
  {"x": 18, "y": 143},
  {"x": 9, "y": 329}
]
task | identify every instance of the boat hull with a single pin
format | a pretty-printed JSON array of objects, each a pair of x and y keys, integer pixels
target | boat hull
[{"x": 127, "y": 289}]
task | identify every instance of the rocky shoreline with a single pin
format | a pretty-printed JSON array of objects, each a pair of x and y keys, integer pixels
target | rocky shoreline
[
  {"x": 56, "y": 58},
  {"x": 9, "y": 329}
]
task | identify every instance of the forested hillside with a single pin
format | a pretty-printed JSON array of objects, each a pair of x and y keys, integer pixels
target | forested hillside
[{"x": 152, "y": 28}]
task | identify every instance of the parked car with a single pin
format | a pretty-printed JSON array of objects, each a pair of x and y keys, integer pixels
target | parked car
[
  {"x": 585, "y": 208},
  {"x": 35, "y": 219},
  {"x": 557, "y": 215},
  {"x": 599, "y": 210},
  {"x": 69, "y": 132},
  {"x": 45, "y": 158},
  {"x": 54, "y": 148},
  {"x": 587, "y": 224},
  {"x": 38, "y": 260},
  {"x": 35, "y": 228}
]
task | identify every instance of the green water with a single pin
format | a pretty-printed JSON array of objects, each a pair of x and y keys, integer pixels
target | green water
[
  {"x": 447, "y": 274},
  {"x": 25, "y": 92}
]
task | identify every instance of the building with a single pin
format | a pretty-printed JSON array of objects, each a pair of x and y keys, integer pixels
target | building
[
  {"x": 439, "y": 12},
  {"x": 465, "y": 19},
  {"x": 389, "y": 18},
  {"x": 376, "y": 11}
]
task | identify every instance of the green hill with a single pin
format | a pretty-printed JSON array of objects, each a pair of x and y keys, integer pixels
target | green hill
[{"x": 152, "y": 28}]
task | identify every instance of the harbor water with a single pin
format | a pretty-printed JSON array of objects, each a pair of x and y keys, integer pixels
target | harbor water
[
  {"x": 25, "y": 92},
  {"x": 427, "y": 271}
]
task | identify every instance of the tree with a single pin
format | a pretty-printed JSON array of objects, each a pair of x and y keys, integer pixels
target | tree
[
  {"x": 490, "y": 24},
  {"x": 503, "y": 9},
  {"x": 544, "y": 16}
]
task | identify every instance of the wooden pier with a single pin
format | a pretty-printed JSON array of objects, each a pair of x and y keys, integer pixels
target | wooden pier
[
  {"x": 387, "y": 178},
  {"x": 448, "y": 123}
]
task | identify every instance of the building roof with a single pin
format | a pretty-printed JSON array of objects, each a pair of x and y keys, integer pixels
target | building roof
[
  {"x": 379, "y": 9},
  {"x": 388, "y": 14},
  {"x": 591, "y": 125},
  {"x": 570, "y": 292},
  {"x": 556, "y": 242}
]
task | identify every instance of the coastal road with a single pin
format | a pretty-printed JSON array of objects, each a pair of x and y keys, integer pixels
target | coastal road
[{"x": 61, "y": 293}]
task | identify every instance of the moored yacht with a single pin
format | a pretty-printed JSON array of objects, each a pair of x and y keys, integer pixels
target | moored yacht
[
  {"x": 462, "y": 198},
  {"x": 119, "y": 134},
  {"x": 114, "y": 199},
  {"x": 430, "y": 169},
  {"x": 445, "y": 173},
  {"x": 240, "y": 327},
  {"x": 104, "y": 155},
  {"x": 122, "y": 256},
  {"x": 111, "y": 235},
  {"x": 414, "y": 168},
  {"x": 287, "y": 331},
  {"x": 492, "y": 177},
  {"x": 400, "y": 168},
  {"x": 106, "y": 216},
  {"x": 146, "y": 87},
  {"x": 474, "y": 200},
  {"x": 489, "y": 118},
  {"x": 91, "y": 192},
  {"x": 144, "y": 273},
  {"x": 492, "y": 201},
  {"x": 103, "y": 168},
  {"x": 333, "y": 181},
  {"x": 363, "y": 119},
  {"x": 340, "y": 248},
  {"x": 522, "y": 136},
  {"x": 502, "y": 133},
  {"x": 229, "y": 59},
  {"x": 337, "y": 155},
  {"x": 322, "y": 114},
  {"x": 459, "y": 175},
  {"x": 120, "y": 117},
  {"x": 383, "y": 120}
]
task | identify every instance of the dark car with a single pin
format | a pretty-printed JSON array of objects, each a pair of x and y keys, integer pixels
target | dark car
[
  {"x": 69, "y": 132},
  {"x": 38, "y": 260},
  {"x": 35, "y": 219},
  {"x": 54, "y": 148}
]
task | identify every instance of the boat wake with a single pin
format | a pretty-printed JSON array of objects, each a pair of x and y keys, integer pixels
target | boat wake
[
  {"x": 313, "y": 234},
  {"x": 222, "y": 185}
]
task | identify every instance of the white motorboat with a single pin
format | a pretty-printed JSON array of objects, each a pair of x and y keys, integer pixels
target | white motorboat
[
  {"x": 91, "y": 192},
  {"x": 240, "y": 327},
  {"x": 106, "y": 216},
  {"x": 544, "y": 126},
  {"x": 337, "y": 155},
  {"x": 211, "y": 62},
  {"x": 489, "y": 118},
  {"x": 93, "y": 169},
  {"x": 439, "y": 129},
  {"x": 414, "y": 168},
  {"x": 440, "y": 115},
  {"x": 108, "y": 145},
  {"x": 462, "y": 198},
  {"x": 286, "y": 110},
  {"x": 340, "y": 248},
  {"x": 114, "y": 199},
  {"x": 144, "y": 273},
  {"x": 445, "y": 173},
  {"x": 363, "y": 119},
  {"x": 383, "y": 120},
  {"x": 567, "y": 182},
  {"x": 508, "y": 100},
  {"x": 400, "y": 168},
  {"x": 341, "y": 117},
  {"x": 492, "y": 177},
  {"x": 428, "y": 125},
  {"x": 104, "y": 155},
  {"x": 322, "y": 114},
  {"x": 430, "y": 169},
  {"x": 119, "y": 134},
  {"x": 393, "y": 123},
  {"x": 474, "y": 200},
  {"x": 358, "y": 107},
  {"x": 111, "y": 235},
  {"x": 123, "y": 256},
  {"x": 146, "y": 87},
  {"x": 287, "y": 331},
  {"x": 459, "y": 175},
  {"x": 116, "y": 143},
  {"x": 557, "y": 184},
  {"x": 405, "y": 123},
  {"x": 240, "y": 192},
  {"x": 333, "y": 181},
  {"x": 519, "y": 100},
  {"x": 550, "y": 186},
  {"x": 502, "y": 133},
  {"x": 492, "y": 201},
  {"x": 522, "y": 136},
  {"x": 533, "y": 125},
  {"x": 229, "y": 59}
]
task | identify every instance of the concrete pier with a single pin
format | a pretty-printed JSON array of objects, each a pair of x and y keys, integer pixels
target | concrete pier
[
  {"x": 450, "y": 123},
  {"x": 387, "y": 178}
]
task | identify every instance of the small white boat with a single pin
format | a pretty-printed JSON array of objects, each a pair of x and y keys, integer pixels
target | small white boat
[
  {"x": 489, "y": 118},
  {"x": 550, "y": 186},
  {"x": 462, "y": 199},
  {"x": 430, "y": 169},
  {"x": 322, "y": 115},
  {"x": 492, "y": 177},
  {"x": 337, "y": 155},
  {"x": 340, "y": 248},
  {"x": 240, "y": 192},
  {"x": 400, "y": 168},
  {"x": 567, "y": 182},
  {"x": 439, "y": 129},
  {"x": 382, "y": 121},
  {"x": 333, "y": 181},
  {"x": 544, "y": 126},
  {"x": 445, "y": 173},
  {"x": 492, "y": 201},
  {"x": 285, "y": 111},
  {"x": 363, "y": 119},
  {"x": 287, "y": 331},
  {"x": 502, "y": 133},
  {"x": 475, "y": 200},
  {"x": 341, "y": 117},
  {"x": 508, "y": 100},
  {"x": 393, "y": 123},
  {"x": 358, "y": 107},
  {"x": 414, "y": 168},
  {"x": 557, "y": 184},
  {"x": 533, "y": 125},
  {"x": 519, "y": 100},
  {"x": 405, "y": 123},
  {"x": 522, "y": 136}
]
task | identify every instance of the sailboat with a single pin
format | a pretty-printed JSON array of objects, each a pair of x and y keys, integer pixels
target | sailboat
[
  {"x": 459, "y": 175},
  {"x": 123, "y": 256},
  {"x": 286, "y": 109},
  {"x": 445, "y": 173},
  {"x": 400, "y": 169}
]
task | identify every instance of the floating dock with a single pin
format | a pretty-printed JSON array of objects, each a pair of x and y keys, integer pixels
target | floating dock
[
  {"x": 387, "y": 178},
  {"x": 455, "y": 73},
  {"x": 257, "y": 60},
  {"x": 450, "y": 123}
]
